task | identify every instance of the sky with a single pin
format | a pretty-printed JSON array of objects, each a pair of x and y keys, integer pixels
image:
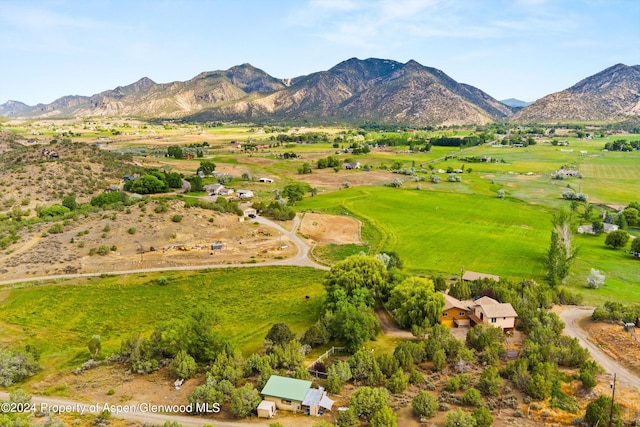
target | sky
[{"x": 522, "y": 49}]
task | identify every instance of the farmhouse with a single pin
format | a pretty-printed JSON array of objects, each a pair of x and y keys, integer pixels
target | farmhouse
[
  {"x": 470, "y": 276},
  {"x": 244, "y": 194},
  {"x": 489, "y": 311},
  {"x": 247, "y": 210},
  {"x": 455, "y": 312},
  {"x": 351, "y": 165},
  {"x": 295, "y": 395},
  {"x": 588, "y": 229}
]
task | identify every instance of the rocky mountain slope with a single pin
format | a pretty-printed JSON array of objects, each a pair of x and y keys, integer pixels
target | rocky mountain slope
[
  {"x": 353, "y": 90},
  {"x": 374, "y": 89},
  {"x": 608, "y": 95}
]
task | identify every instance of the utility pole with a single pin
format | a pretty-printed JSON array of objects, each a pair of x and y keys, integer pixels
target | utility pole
[{"x": 613, "y": 396}]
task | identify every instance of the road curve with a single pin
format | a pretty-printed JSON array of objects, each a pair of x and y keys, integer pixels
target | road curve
[
  {"x": 570, "y": 317},
  {"x": 301, "y": 259},
  {"x": 132, "y": 415}
]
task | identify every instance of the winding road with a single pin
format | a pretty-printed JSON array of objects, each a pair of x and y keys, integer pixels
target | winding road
[
  {"x": 571, "y": 317},
  {"x": 301, "y": 259}
]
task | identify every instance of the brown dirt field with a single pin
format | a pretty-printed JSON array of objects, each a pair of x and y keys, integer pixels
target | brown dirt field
[
  {"x": 243, "y": 241},
  {"x": 616, "y": 342},
  {"x": 331, "y": 228}
]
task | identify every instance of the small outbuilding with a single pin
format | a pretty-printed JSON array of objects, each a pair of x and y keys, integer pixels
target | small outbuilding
[
  {"x": 291, "y": 394},
  {"x": 266, "y": 409}
]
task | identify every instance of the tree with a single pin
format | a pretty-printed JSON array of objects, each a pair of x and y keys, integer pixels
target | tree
[
  {"x": 439, "y": 359},
  {"x": 424, "y": 405},
  {"x": 482, "y": 416},
  {"x": 560, "y": 254},
  {"x": 415, "y": 302},
  {"x": 175, "y": 152},
  {"x": 183, "y": 365},
  {"x": 353, "y": 273},
  {"x": 148, "y": 184},
  {"x": 295, "y": 192},
  {"x": 599, "y": 412},
  {"x": 630, "y": 214},
  {"x": 207, "y": 167},
  {"x": 490, "y": 381},
  {"x": 366, "y": 401},
  {"x": 471, "y": 397},
  {"x": 595, "y": 279},
  {"x": 353, "y": 325},
  {"x": 244, "y": 401},
  {"x": 385, "y": 417},
  {"x": 94, "y": 345},
  {"x": 196, "y": 183},
  {"x": 347, "y": 418},
  {"x": 458, "y": 418},
  {"x": 398, "y": 382},
  {"x": 280, "y": 334},
  {"x": 484, "y": 335},
  {"x": 305, "y": 169},
  {"x": 635, "y": 245},
  {"x": 460, "y": 290},
  {"x": 597, "y": 227},
  {"x": 617, "y": 239},
  {"x": 70, "y": 202}
]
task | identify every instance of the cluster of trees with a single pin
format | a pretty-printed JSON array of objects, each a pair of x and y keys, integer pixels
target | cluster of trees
[
  {"x": 569, "y": 194},
  {"x": 622, "y": 145},
  {"x": 467, "y": 141},
  {"x": 16, "y": 366},
  {"x": 328, "y": 162},
  {"x": 154, "y": 181},
  {"x": 221, "y": 205},
  {"x": 108, "y": 199},
  {"x": 310, "y": 137},
  {"x": 615, "y": 311}
]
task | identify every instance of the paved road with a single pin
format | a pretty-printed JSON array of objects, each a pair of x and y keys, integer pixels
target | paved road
[
  {"x": 571, "y": 317},
  {"x": 132, "y": 414},
  {"x": 300, "y": 260}
]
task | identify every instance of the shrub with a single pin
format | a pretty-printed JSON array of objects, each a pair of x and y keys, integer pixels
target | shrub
[
  {"x": 103, "y": 250},
  {"x": 183, "y": 365},
  {"x": 472, "y": 397},
  {"x": 595, "y": 279},
  {"x": 176, "y": 218},
  {"x": 424, "y": 404},
  {"x": 56, "y": 228},
  {"x": 131, "y": 230}
]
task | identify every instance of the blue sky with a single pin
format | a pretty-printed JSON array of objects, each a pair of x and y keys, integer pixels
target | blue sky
[{"x": 520, "y": 48}]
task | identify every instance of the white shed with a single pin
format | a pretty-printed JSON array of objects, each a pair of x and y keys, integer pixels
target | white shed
[{"x": 266, "y": 409}]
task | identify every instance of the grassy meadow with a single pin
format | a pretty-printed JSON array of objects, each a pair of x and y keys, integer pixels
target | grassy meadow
[{"x": 60, "y": 318}]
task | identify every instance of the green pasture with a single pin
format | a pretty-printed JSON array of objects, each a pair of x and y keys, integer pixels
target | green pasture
[
  {"x": 446, "y": 232},
  {"x": 59, "y": 319},
  {"x": 621, "y": 270}
]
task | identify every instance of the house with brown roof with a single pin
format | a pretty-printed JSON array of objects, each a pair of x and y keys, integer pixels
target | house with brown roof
[
  {"x": 455, "y": 312},
  {"x": 489, "y": 311}
]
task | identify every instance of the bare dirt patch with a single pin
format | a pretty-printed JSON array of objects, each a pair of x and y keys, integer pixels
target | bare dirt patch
[
  {"x": 143, "y": 239},
  {"x": 331, "y": 228},
  {"x": 616, "y": 342}
]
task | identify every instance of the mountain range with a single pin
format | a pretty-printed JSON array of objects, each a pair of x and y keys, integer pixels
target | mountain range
[{"x": 354, "y": 90}]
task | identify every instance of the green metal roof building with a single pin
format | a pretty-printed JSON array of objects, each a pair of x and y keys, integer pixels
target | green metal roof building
[{"x": 286, "y": 388}]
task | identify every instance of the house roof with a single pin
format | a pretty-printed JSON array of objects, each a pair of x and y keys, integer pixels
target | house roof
[
  {"x": 313, "y": 397},
  {"x": 472, "y": 275},
  {"x": 286, "y": 388},
  {"x": 493, "y": 308},
  {"x": 451, "y": 302}
]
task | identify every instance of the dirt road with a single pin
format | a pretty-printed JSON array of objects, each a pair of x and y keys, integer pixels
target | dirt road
[
  {"x": 300, "y": 260},
  {"x": 139, "y": 414},
  {"x": 570, "y": 317},
  {"x": 388, "y": 328}
]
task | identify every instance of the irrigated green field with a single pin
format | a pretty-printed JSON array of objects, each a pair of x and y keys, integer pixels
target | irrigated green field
[
  {"x": 59, "y": 319},
  {"x": 444, "y": 232}
]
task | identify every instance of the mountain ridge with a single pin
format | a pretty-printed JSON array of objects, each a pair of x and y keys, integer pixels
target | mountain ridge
[{"x": 353, "y": 90}]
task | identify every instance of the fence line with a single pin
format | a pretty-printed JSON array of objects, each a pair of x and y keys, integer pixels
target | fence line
[{"x": 323, "y": 356}]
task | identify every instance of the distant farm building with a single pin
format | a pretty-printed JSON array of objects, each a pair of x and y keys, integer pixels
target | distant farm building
[
  {"x": 244, "y": 194},
  {"x": 470, "y": 276},
  {"x": 351, "y": 165},
  {"x": 267, "y": 180},
  {"x": 588, "y": 229}
]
